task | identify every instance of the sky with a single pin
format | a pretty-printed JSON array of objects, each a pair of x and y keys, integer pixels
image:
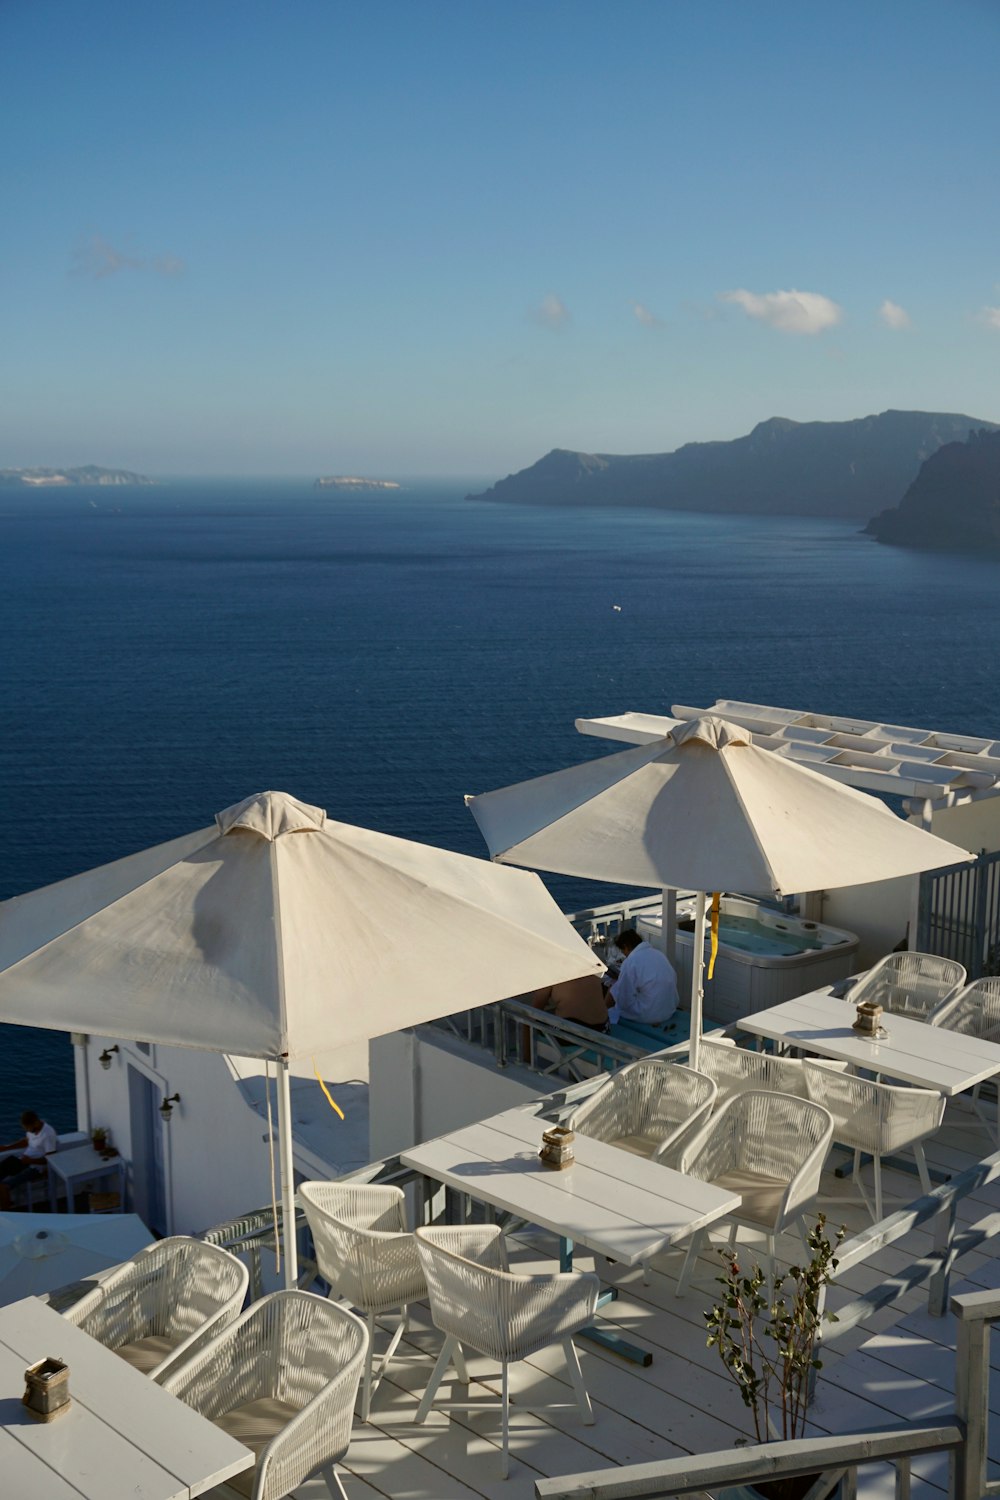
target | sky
[{"x": 441, "y": 237}]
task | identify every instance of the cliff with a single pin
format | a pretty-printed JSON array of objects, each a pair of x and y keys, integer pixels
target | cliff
[
  {"x": 848, "y": 469},
  {"x": 954, "y": 502},
  {"x": 89, "y": 474}
]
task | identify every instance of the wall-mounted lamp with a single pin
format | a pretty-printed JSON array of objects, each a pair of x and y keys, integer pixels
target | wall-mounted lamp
[
  {"x": 167, "y": 1107},
  {"x": 105, "y": 1057}
]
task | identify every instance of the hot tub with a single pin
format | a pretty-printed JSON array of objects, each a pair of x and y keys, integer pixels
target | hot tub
[{"x": 764, "y": 958}]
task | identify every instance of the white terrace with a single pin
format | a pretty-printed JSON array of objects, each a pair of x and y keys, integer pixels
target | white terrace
[{"x": 889, "y": 1360}]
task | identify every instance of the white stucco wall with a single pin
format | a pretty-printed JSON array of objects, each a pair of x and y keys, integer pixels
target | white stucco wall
[
  {"x": 425, "y": 1082},
  {"x": 215, "y": 1160},
  {"x": 878, "y": 913},
  {"x": 972, "y": 825}
]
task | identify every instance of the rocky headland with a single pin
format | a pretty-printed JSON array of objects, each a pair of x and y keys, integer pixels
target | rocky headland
[
  {"x": 53, "y": 478},
  {"x": 954, "y": 502},
  {"x": 846, "y": 469}
]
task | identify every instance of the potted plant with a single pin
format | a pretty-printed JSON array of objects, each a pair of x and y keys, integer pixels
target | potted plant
[
  {"x": 766, "y": 1337},
  {"x": 99, "y": 1138}
]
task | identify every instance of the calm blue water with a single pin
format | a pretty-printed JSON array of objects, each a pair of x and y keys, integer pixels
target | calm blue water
[{"x": 168, "y": 651}]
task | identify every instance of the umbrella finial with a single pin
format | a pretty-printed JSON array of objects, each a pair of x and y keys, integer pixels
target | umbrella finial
[
  {"x": 271, "y": 814},
  {"x": 711, "y": 730}
]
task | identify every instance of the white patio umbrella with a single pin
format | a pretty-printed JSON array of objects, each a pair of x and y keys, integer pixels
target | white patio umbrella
[
  {"x": 278, "y": 933},
  {"x": 40, "y": 1252},
  {"x": 707, "y": 810}
]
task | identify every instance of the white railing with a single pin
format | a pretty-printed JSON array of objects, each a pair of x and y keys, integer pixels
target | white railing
[
  {"x": 710, "y": 1473},
  {"x": 964, "y": 1434}
]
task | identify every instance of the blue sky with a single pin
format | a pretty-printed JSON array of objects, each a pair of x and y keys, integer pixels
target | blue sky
[{"x": 403, "y": 237}]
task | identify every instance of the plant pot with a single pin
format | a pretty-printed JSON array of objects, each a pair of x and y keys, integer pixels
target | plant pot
[{"x": 797, "y": 1487}]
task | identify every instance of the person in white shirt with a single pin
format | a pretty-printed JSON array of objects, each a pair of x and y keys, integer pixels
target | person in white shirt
[
  {"x": 38, "y": 1142},
  {"x": 646, "y": 987}
]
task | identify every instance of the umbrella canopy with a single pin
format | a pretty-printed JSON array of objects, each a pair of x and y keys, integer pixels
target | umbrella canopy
[
  {"x": 40, "y": 1252},
  {"x": 278, "y": 933},
  {"x": 707, "y": 810},
  {"x": 704, "y": 809}
]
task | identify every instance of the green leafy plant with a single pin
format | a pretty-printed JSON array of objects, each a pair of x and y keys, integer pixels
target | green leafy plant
[{"x": 766, "y": 1335}]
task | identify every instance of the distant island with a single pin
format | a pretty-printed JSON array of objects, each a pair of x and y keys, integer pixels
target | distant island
[
  {"x": 53, "y": 478},
  {"x": 954, "y": 502},
  {"x": 845, "y": 469},
  {"x": 353, "y": 482}
]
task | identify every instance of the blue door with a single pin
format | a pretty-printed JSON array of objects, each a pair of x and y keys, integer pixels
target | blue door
[{"x": 149, "y": 1195}]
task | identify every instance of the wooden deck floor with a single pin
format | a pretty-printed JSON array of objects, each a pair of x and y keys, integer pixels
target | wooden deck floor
[{"x": 898, "y": 1366}]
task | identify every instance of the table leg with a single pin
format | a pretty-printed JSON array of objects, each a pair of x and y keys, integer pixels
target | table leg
[{"x": 603, "y": 1337}]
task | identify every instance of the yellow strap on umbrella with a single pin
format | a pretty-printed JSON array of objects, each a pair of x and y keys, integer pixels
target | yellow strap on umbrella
[
  {"x": 329, "y": 1097},
  {"x": 715, "y": 934}
]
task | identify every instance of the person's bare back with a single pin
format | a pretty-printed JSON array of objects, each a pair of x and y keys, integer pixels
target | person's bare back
[{"x": 579, "y": 1000}]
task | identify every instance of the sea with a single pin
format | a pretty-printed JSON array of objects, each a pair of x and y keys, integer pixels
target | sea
[{"x": 168, "y": 650}]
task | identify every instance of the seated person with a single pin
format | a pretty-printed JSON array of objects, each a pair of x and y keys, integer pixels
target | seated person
[
  {"x": 38, "y": 1142},
  {"x": 646, "y": 987},
  {"x": 580, "y": 1000}
]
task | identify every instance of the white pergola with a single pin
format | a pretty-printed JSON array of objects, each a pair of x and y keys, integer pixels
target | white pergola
[{"x": 926, "y": 765}]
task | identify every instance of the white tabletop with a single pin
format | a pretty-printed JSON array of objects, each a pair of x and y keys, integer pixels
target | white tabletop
[
  {"x": 79, "y": 1162},
  {"x": 123, "y": 1437},
  {"x": 620, "y": 1205},
  {"x": 929, "y": 1056}
]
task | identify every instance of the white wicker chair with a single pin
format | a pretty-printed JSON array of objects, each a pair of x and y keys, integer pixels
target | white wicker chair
[
  {"x": 475, "y": 1300},
  {"x": 156, "y": 1306},
  {"x": 647, "y": 1108},
  {"x": 974, "y": 1011},
  {"x": 736, "y": 1070},
  {"x": 364, "y": 1251},
  {"x": 877, "y": 1118},
  {"x": 283, "y": 1379},
  {"x": 770, "y": 1148},
  {"x": 909, "y": 984}
]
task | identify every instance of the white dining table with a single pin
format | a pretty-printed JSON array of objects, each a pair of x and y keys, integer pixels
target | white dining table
[
  {"x": 77, "y": 1165},
  {"x": 620, "y": 1205},
  {"x": 930, "y": 1057},
  {"x": 623, "y": 1206},
  {"x": 122, "y": 1438}
]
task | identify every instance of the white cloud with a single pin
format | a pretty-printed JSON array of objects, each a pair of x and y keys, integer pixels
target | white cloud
[
  {"x": 894, "y": 316},
  {"x": 990, "y": 318},
  {"x": 643, "y": 315},
  {"x": 790, "y": 312},
  {"x": 551, "y": 312},
  {"x": 96, "y": 258}
]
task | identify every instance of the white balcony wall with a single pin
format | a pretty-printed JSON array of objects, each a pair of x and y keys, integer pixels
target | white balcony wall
[{"x": 425, "y": 1082}]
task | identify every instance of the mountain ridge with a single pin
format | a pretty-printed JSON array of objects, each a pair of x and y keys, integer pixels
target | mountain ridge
[{"x": 848, "y": 469}]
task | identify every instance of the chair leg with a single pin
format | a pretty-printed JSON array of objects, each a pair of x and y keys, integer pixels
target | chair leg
[
  {"x": 333, "y": 1483},
  {"x": 366, "y": 1387},
  {"x": 878, "y": 1188},
  {"x": 862, "y": 1190},
  {"x": 505, "y": 1424},
  {"x": 693, "y": 1251},
  {"x": 921, "y": 1160},
  {"x": 800, "y": 1224},
  {"x": 576, "y": 1376},
  {"x": 458, "y": 1360},
  {"x": 437, "y": 1375}
]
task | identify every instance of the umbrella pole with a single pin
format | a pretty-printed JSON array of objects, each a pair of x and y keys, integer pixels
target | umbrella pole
[
  {"x": 287, "y": 1175},
  {"x": 697, "y": 973}
]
